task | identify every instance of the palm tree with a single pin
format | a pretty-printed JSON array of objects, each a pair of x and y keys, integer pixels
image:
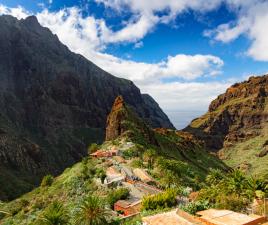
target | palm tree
[
  {"x": 55, "y": 214},
  {"x": 237, "y": 182},
  {"x": 214, "y": 176},
  {"x": 255, "y": 184},
  {"x": 149, "y": 156},
  {"x": 92, "y": 211}
]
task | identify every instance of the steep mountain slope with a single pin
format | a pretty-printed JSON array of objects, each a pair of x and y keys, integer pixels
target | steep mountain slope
[
  {"x": 53, "y": 103},
  {"x": 174, "y": 145},
  {"x": 237, "y": 123},
  {"x": 178, "y": 160}
]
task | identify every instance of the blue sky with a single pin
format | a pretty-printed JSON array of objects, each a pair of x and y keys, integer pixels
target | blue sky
[{"x": 182, "y": 53}]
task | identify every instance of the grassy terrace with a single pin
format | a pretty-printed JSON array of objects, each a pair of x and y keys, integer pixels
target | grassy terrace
[{"x": 245, "y": 154}]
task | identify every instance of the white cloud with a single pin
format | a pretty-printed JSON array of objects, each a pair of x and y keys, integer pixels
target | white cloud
[
  {"x": 88, "y": 36},
  {"x": 18, "y": 12},
  {"x": 172, "y": 6},
  {"x": 228, "y": 32},
  {"x": 132, "y": 32},
  {"x": 84, "y": 35},
  {"x": 252, "y": 21},
  {"x": 138, "y": 44},
  {"x": 146, "y": 17},
  {"x": 185, "y": 95},
  {"x": 187, "y": 67}
]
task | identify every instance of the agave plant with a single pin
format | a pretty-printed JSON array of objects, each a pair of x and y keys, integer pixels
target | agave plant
[
  {"x": 55, "y": 214},
  {"x": 92, "y": 211}
]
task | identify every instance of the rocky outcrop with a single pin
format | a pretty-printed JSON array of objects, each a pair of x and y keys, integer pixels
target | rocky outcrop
[
  {"x": 118, "y": 114},
  {"x": 238, "y": 114},
  {"x": 54, "y": 102},
  {"x": 124, "y": 122}
]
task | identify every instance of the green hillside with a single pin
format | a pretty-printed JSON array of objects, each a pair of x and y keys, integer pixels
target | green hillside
[{"x": 170, "y": 158}]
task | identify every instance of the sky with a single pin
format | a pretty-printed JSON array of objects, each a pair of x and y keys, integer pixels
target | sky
[{"x": 184, "y": 53}]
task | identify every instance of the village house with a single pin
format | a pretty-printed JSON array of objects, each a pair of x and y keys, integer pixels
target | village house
[
  {"x": 142, "y": 175},
  {"x": 174, "y": 217},
  {"x": 104, "y": 153},
  {"x": 147, "y": 189},
  {"x": 130, "y": 177},
  {"x": 128, "y": 207},
  {"x": 113, "y": 177},
  {"x": 227, "y": 217}
]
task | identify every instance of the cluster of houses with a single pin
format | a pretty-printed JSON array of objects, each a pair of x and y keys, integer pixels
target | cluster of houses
[
  {"x": 138, "y": 181},
  {"x": 119, "y": 174}
]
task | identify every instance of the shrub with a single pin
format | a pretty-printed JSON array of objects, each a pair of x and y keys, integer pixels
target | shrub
[
  {"x": 194, "y": 207},
  {"x": 38, "y": 204},
  {"x": 100, "y": 173},
  {"x": 163, "y": 200},
  {"x": 234, "y": 191},
  {"x": 47, "y": 180},
  {"x": 259, "y": 194},
  {"x": 231, "y": 202},
  {"x": 55, "y": 214},
  {"x": 118, "y": 194},
  {"x": 88, "y": 169},
  {"x": 149, "y": 156},
  {"x": 130, "y": 153},
  {"x": 137, "y": 163},
  {"x": 93, "y": 148},
  {"x": 24, "y": 202}
]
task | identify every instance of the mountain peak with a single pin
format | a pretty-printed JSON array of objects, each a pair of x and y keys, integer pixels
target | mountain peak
[
  {"x": 114, "y": 120},
  {"x": 119, "y": 103},
  {"x": 31, "y": 20}
]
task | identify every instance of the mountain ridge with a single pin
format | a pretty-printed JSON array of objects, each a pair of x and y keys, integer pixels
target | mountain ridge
[
  {"x": 53, "y": 103},
  {"x": 236, "y": 126},
  {"x": 239, "y": 113}
]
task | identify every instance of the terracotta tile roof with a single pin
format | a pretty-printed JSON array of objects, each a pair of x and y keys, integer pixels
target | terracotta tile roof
[
  {"x": 222, "y": 217},
  {"x": 168, "y": 218},
  {"x": 127, "y": 203}
]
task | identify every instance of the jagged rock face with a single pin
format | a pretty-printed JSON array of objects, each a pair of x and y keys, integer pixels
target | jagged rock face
[
  {"x": 54, "y": 100},
  {"x": 238, "y": 114},
  {"x": 123, "y": 121},
  {"x": 117, "y": 115}
]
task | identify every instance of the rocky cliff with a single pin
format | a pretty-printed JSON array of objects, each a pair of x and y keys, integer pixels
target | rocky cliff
[
  {"x": 124, "y": 123},
  {"x": 53, "y": 103},
  {"x": 237, "y": 115}
]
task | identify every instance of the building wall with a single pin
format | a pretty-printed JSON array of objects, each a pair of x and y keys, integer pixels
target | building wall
[
  {"x": 129, "y": 210},
  {"x": 255, "y": 222}
]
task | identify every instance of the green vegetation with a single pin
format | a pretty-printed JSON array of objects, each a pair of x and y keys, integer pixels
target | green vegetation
[
  {"x": 117, "y": 194},
  {"x": 69, "y": 189},
  {"x": 203, "y": 119},
  {"x": 47, "y": 180},
  {"x": 243, "y": 155},
  {"x": 234, "y": 191},
  {"x": 100, "y": 173},
  {"x": 55, "y": 214},
  {"x": 91, "y": 211},
  {"x": 130, "y": 153},
  {"x": 173, "y": 159},
  {"x": 149, "y": 156},
  {"x": 163, "y": 200},
  {"x": 194, "y": 207},
  {"x": 93, "y": 148}
]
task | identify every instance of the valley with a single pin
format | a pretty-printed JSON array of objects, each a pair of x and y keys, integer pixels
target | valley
[{"x": 79, "y": 146}]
